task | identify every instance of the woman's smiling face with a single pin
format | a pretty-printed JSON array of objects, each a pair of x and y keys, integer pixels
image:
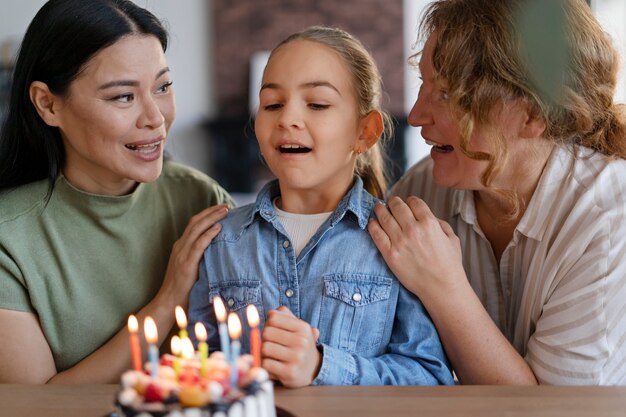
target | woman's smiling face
[
  {"x": 115, "y": 117},
  {"x": 440, "y": 128}
]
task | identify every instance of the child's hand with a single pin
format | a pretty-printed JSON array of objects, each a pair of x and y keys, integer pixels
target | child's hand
[{"x": 289, "y": 349}]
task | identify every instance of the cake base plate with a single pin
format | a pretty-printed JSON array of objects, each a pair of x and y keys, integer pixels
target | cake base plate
[{"x": 280, "y": 412}]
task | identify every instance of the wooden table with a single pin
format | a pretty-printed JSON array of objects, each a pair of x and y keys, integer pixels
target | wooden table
[{"x": 467, "y": 401}]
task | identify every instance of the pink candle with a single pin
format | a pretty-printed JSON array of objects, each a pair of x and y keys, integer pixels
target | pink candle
[
  {"x": 255, "y": 335},
  {"x": 135, "y": 349}
]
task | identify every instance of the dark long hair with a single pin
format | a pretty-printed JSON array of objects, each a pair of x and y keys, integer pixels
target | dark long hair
[{"x": 63, "y": 36}]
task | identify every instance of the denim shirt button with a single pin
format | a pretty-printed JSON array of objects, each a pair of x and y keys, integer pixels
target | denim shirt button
[
  {"x": 356, "y": 297},
  {"x": 286, "y": 244},
  {"x": 289, "y": 293},
  {"x": 231, "y": 302}
]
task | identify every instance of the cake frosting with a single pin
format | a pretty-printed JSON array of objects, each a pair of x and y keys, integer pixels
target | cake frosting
[{"x": 195, "y": 388}]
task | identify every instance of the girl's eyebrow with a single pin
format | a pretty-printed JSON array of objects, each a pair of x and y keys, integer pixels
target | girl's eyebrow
[
  {"x": 314, "y": 84},
  {"x": 310, "y": 84},
  {"x": 130, "y": 83}
]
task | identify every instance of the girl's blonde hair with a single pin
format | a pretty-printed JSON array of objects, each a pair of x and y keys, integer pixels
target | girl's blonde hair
[
  {"x": 367, "y": 82},
  {"x": 479, "y": 52}
]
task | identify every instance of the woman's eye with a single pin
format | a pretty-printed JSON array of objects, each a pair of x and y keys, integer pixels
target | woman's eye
[
  {"x": 165, "y": 87},
  {"x": 124, "y": 98},
  {"x": 440, "y": 95},
  {"x": 317, "y": 106}
]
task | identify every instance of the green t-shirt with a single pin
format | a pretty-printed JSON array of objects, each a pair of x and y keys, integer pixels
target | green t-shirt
[{"x": 84, "y": 262}]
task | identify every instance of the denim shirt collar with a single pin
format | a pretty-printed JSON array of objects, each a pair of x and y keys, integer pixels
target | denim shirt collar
[{"x": 357, "y": 201}]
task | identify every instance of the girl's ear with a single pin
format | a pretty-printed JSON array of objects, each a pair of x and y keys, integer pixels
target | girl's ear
[
  {"x": 45, "y": 102},
  {"x": 371, "y": 129}
]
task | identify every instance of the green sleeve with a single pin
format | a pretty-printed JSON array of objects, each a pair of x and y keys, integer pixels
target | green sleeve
[
  {"x": 14, "y": 295},
  {"x": 224, "y": 197}
]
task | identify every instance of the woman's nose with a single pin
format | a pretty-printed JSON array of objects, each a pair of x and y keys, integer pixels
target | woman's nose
[
  {"x": 420, "y": 113},
  {"x": 151, "y": 115}
]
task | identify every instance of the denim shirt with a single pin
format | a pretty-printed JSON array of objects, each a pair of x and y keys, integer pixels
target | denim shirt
[{"x": 372, "y": 330}]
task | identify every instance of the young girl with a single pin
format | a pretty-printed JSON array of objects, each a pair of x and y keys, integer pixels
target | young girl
[{"x": 343, "y": 317}]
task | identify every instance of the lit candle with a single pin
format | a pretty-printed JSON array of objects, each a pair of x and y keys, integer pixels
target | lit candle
[
  {"x": 188, "y": 353},
  {"x": 135, "y": 349},
  {"x": 203, "y": 347},
  {"x": 152, "y": 336},
  {"x": 220, "y": 314},
  {"x": 255, "y": 335},
  {"x": 234, "y": 329},
  {"x": 181, "y": 320},
  {"x": 175, "y": 345}
]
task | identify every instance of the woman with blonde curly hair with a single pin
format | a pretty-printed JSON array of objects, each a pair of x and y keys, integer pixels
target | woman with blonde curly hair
[{"x": 512, "y": 232}]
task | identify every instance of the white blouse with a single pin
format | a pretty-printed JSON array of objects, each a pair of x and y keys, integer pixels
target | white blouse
[{"x": 559, "y": 292}]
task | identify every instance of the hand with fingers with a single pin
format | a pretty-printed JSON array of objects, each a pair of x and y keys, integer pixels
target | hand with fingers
[
  {"x": 289, "y": 349},
  {"x": 182, "y": 268},
  {"x": 421, "y": 250}
]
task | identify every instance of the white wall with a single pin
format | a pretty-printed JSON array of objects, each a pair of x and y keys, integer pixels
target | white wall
[
  {"x": 612, "y": 16},
  {"x": 16, "y": 16},
  {"x": 414, "y": 144},
  {"x": 188, "y": 55}
]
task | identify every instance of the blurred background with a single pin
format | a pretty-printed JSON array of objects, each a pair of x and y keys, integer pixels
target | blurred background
[{"x": 218, "y": 50}]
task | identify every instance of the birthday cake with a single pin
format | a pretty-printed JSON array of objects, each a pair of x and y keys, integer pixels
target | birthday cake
[
  {"x": 191, "y": 388},
  {"x": 190, "y": 383}
]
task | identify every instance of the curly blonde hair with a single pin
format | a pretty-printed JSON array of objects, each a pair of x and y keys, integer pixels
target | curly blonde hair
[{"x": 479, "y": 51}]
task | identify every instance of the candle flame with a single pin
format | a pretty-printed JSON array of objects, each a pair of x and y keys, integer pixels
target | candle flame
[
  {"x": 200, "y": 331},
  {"x": 220, "y": 310},
  {"x": 150, "y": 330},
  {"x": 175, "y": 345},
  {"x": 187, "y": 348},
  {"x": 253, "y": 315},
  {"x": 181, "y": 318},
  {"x": 133, "y": 325},
  {"x": 234, "y": 326}
]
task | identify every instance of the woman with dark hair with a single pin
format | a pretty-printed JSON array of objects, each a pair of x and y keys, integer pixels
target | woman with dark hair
[
  {"x": 512, "y": 233},
  {"x": 89, "y": 210}
]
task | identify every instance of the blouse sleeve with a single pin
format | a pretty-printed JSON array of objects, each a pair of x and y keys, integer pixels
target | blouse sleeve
[{"x": 580, "y": 335}]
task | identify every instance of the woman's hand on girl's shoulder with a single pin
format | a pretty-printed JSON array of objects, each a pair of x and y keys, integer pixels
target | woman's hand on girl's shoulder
[
  {"x": 182, "y": 269},
  {"x": 420, "y": 249}
]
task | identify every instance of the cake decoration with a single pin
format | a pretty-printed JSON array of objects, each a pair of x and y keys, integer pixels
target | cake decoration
[{"x": 192, "y": 383}]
